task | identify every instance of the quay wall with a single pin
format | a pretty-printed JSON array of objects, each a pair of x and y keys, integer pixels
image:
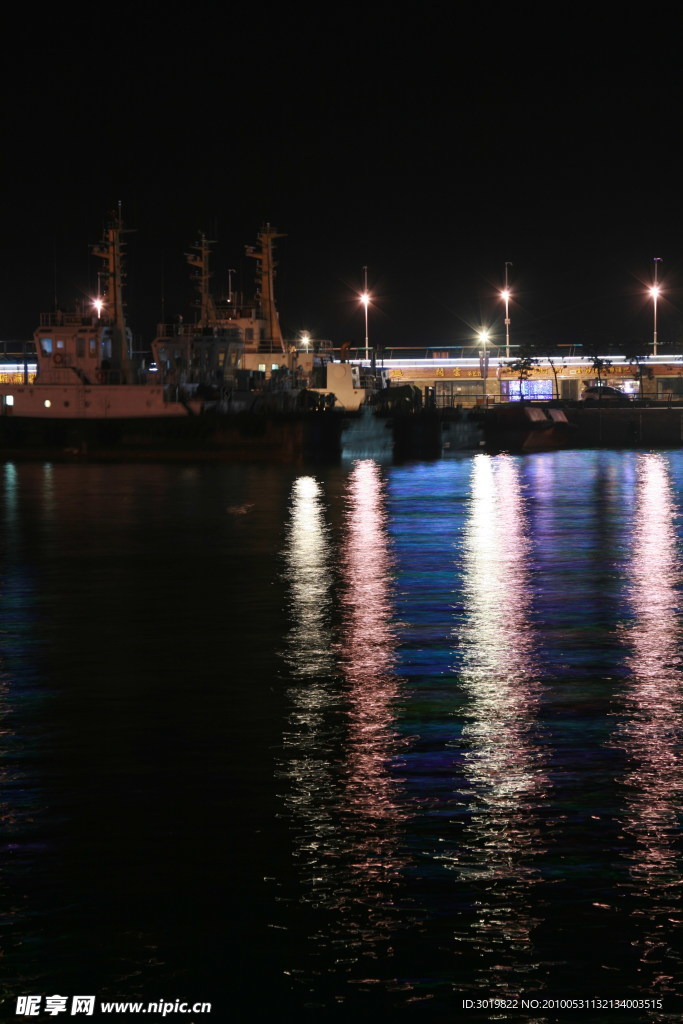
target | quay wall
[{"x": 637, "y": 426}]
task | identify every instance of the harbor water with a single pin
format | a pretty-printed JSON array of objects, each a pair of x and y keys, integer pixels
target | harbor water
[{"x": 363, "y": 741}]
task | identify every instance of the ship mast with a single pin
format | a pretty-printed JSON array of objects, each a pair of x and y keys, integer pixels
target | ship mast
[
  {"x": 199, "y": 259},
  {"x": 110, "y": 249},
  {"x": 265, "y": 278}
]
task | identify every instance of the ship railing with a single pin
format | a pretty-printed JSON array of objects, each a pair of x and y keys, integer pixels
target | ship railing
[
  {"x": 269, "y": 346},
  {"x": 17, "y": 351},
  {"x": 61, "y": 318},
  {"x": 176, "y": 330},
  {"x": 463, "y": 398},
  {"x": 181, "y": 329}
]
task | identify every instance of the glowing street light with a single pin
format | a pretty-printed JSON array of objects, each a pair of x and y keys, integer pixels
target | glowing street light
[
  {"x": 483, "y": 353},
  {"x": 365, "y": 299},
  {"x": 505, "y": 295},
  {"x": 654, "y": 292}
]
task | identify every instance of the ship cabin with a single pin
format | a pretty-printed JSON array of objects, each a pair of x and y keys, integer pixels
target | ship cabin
[
  {"x": 232, "y": 337},
  {"x": 73, "y": 347},
  {"x": 190, "y": 355}
]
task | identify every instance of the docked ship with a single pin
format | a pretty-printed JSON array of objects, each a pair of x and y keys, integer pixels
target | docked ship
[
  {"x": 89, "y": 397},
  {"x": 234, "y": 356},
  {"x": 84, "y": 363}
]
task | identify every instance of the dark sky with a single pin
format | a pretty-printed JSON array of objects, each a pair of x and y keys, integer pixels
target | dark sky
[{"x": 431, "y": 146}]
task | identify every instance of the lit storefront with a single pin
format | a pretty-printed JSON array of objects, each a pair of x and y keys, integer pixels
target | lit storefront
[{"x": 474, "y": 381}]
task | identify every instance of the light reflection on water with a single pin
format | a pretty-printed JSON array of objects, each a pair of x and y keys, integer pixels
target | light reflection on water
[
  {"x": 487, "y": 616},
  {"x": 309, "y": 561},
  {"x": 652, "y": 725},
  {"x": 503, "y": 760},
  {"x": 423, "y": 742},
  {"x": 341, "y": 737},
  {"x": 310, "y": 738}
]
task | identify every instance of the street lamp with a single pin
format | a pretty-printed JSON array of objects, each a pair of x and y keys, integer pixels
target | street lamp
[
  {"x": 365, "y": 299},
  {"x": 483, "y": 354},
  {"x": 505, "y": 295},
  {"x": 654, "y": 292}
]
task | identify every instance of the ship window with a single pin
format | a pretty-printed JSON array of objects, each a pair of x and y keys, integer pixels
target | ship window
[
  {"x": 46, "y": 346},
  {"x": 262, "y": 367},
  {"x": 60, "y": 345},
  {"x": 249, "y": 333},
  {"x": 92, "y": 347},
  {"x": 9, "y": 399},
  {"x": 275, "y": 366},
  {"x": 80, "y": 347}
]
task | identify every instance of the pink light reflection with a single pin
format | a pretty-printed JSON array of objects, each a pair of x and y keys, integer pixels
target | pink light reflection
[
  {"x": 653, "y": 732},
  {"x": 368, "y": 646}
]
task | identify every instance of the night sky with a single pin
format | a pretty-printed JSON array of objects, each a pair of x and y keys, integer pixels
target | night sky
[{"x": 432, "y": 146}]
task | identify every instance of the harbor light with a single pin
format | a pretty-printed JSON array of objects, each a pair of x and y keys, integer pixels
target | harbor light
[
  {"x": 305, "y": 339},
  {"x": 98, "y": 305},
  {"x": 484, "y": 352},
  {"x": 505, "y": 296},
  {"x": 654, "y": 292},
  {"x": 365, "y": 301}
]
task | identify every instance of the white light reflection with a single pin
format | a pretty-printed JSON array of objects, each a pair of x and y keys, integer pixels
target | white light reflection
[
  {"x": 308, "y": 571},
  {"x": 310, "y": 738},
  {"x": 503, "y": 760},
  {"x": 653, "y": 731},
  {"x": 342, "y": 796}
]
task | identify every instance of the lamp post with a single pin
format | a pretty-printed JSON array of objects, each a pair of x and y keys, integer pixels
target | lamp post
[
  {"x": 654, "y": 292},
  {"x": 505, "y": 295},
  {"x": 365, "y": 299}
]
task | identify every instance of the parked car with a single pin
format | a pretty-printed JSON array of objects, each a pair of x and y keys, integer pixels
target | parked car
[{"x": 604, "y": 393}]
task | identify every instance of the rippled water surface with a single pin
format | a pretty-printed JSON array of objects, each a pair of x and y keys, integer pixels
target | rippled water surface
[{"x": 368, "y": 741}]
